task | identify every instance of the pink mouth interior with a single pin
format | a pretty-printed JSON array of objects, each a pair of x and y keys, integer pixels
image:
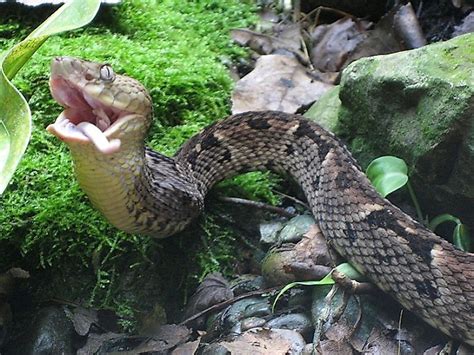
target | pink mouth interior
[
  {"x": 79, "y": 107},
  {"x": 85, "y": 119}
]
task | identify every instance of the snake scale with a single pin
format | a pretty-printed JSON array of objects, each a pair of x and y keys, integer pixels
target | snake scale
[{"x": 105, "y": 122}]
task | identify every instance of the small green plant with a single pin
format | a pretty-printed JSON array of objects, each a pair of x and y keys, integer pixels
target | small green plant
[
  {"x": 345, "y": 268},
  {"x": 389, "y": 174}
]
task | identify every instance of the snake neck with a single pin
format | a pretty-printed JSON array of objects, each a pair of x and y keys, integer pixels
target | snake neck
[{"x": 108, "y": 179}]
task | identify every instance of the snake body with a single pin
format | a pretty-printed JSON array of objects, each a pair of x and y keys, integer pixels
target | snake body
[{"x": 142, "y": 191}]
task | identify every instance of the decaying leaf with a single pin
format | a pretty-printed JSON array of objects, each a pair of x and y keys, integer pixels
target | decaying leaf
[
  {"x": 95, "y": 341},
  {"x": 166, "y": 338},
  {"x": 278, "y": 82},
  {"x": 333, "y": 43},
  {"x": 266, "y": 341},
  {"x": 188, "y": 348},
  {"x": 212, "y": 290},
  {"x": 396, "y": 31},
  {"x": 288, "y": 38},
  {"x": 83, "y": 318},
  {"x": 407, "y": 27}
]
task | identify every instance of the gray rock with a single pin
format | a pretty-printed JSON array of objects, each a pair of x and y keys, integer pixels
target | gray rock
[
  {"x": 249, "y": 307},
  {"x": 269, "y": 232},
  {"x": 247, "y": 283},
  {"x": 251, "y": 322},
  {"x": 297, "y": 341},
  {"x": 51, "y": 332},
  {"x": 298, "y": 322},
  {"x": 417, "y": 105},
  {"x": 296, "y": 227},
  {"x": 306, "y": 260},
  {"x": 326, "y": 110}
]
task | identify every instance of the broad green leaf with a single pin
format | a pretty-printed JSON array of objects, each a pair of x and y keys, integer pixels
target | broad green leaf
[
  {"x": 387, "y": 174},
  {"x": 346, "y": 268},
  {"x": 435, "y": 222},
  {"x": 15, "y": 116},
  {"x": 461, "y": 236}
]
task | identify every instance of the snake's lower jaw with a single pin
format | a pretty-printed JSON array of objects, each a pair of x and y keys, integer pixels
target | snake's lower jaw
[{"x": 83, "y": 133}]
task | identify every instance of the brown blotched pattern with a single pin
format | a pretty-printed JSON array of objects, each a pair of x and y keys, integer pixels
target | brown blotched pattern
[
  {"x": 142, "y": 191},
  {"x": 426, "y": 274}
]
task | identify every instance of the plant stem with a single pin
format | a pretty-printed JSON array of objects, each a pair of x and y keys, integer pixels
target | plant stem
[{"x": 415, "y": 202}]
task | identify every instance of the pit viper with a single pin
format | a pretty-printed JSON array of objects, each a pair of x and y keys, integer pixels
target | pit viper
[{"x": 105, "y": 122}]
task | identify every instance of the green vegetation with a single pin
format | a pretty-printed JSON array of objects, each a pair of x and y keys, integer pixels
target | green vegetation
[
  {"x": 389, "y": 174},
  {"x": 15, "y": 121},
  {"x": 345, "y": 268},
  {"x": 176, "y": 50}
]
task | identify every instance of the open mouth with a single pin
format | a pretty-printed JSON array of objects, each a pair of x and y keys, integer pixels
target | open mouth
[{"x": 85, "y": 118}]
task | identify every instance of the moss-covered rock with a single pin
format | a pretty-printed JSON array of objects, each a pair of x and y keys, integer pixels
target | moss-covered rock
[
  {"x": 326, "y": 110},
  {"x": 417, "y": 105}
]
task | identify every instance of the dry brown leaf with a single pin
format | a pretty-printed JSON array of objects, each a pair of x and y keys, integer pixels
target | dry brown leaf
[
  {"x": 212, "y": 290},
  {"x": 187, "y": 348},
  {"x": 331, "y": 347},
  {"x": 83, "y": 318},
  {"x": 334, "y": 42},
  {"x": 396, "y": 31},
  {"x": 95, "y": 341},
  {"x": 288, "y": 38},
  {"x": 278, "y": 82},
  {"x": 259, "y": 342}
]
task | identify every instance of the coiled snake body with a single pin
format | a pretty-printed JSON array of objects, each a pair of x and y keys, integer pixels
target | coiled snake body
[{"x": 105, "y": 121}]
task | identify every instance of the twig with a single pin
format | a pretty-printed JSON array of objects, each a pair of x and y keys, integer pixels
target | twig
[
  {"x": 257, "y": 204},
  {"x": 224, "y": 304},
  {"x": 294, "y": 199},
  {"x": 328, "y": 9}
]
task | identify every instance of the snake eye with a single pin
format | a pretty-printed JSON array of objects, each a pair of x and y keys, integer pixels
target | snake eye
[{"x": 107, "y": 73}]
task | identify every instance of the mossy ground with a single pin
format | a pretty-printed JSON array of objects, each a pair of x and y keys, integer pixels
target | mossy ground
[{"x": 47, "y": 226}]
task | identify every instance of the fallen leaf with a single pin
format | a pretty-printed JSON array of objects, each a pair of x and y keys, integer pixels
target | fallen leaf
[
  {"x": 267, "y": 44},
  {"x": 396, "y": 31},
  {"x": 266, "y": 341},
  {"x": 95, "y": 341},
  {"x": 83, "y": 318},
  {"x": 172, "y": 334},
  {"x": 333, "y": 43},
  {"x": 279, "y": 83},
  {"x": 212, "y": 290},
  {"x": 188, "y": 348}
]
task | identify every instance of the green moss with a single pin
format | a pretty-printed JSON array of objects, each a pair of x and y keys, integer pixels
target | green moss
[{"x": 176, "y": 50}]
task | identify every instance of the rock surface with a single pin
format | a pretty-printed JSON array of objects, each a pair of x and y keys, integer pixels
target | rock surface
[{"x": 417, "y": 105}]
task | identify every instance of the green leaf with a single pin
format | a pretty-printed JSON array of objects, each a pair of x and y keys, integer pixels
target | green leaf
[
  {"x": 435, "y": 222},
  {"x": 461, "y": 236},
  {"x": 346, "y": 268},
  {"x": 15, "y": 115},
  {"x": 387, "y": 174}
]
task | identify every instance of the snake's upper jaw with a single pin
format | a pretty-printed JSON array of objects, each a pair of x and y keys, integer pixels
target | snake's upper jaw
[{"x": 90, "y": 113}]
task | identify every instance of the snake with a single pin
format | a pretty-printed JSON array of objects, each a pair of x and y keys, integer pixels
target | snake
[{"x": 105, "y": 122}]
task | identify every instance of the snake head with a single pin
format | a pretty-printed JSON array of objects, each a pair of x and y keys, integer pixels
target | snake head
[{"x": 101, "y": 108}]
